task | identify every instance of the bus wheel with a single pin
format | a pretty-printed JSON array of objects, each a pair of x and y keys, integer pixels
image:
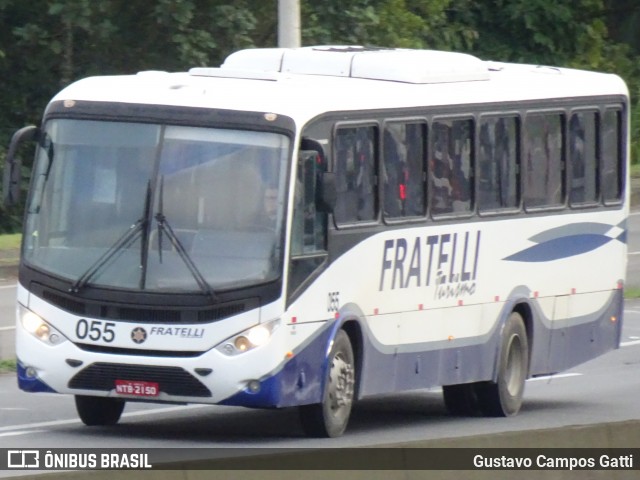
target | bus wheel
[
  {"x": 503, "y": 398},
  {"x": 460, "y": 399},
  {"x": 99, "y": 410},
  {"x": 330, "y": 418}
]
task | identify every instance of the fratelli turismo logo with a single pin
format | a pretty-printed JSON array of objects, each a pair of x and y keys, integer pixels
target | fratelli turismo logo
[{"x": 138, "y": 335}]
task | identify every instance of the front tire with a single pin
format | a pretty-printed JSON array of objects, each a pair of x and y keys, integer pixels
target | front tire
[
  {"x": 330, "y": 417},
  {"x": 99, "y": 410},
  {"x": 503, "y": 398}
]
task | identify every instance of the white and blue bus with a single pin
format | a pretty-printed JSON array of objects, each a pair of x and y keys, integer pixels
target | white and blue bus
[{"x": 308, "y": 227}]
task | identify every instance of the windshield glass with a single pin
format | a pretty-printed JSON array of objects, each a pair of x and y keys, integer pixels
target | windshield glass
[{"x": 154, "y": 207}]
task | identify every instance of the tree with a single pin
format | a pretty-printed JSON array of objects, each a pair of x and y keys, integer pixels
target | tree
[{"x": 46, "y": 44}]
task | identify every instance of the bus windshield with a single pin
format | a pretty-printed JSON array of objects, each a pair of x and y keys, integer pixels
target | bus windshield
[{"x": 156, "y": 207}]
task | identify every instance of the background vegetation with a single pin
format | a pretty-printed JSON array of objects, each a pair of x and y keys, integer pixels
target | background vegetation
[{"x": 46, "y": 44}]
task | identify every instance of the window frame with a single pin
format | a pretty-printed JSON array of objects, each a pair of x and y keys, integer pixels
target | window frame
[
  {"x": 472, "y": 168},
  {"x": 375, "y": 125},
  {"x": 563, "y": 203},
  {"x": 519, "y": 120},
  {"x": 622, "y": 153},
  {"x": 598, "y": 160},
  {"x": 425, "y": 124}
]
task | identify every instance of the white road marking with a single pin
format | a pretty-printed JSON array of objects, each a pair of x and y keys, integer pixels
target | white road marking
[
  {"x": 24, "y": 432},
  {"x": 553, "y": 377},
  {"x": 6, "y": 329},
  {"x": 56, "y": 423}
]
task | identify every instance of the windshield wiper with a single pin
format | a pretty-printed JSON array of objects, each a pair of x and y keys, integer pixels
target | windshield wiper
[
  {"x": 127, "y": 239},
  {"x": 164, "y": 227},
  {"x": 119, "y": 245}
]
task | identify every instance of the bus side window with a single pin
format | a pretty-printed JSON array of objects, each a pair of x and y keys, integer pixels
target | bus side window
[
  {"x": 403, "y": 170},
  {"x": 355, "y": 160},
  {"x": 309, "y": 227},
  {"x": 583, "y": 186},
  {"x": 451, "y": 166},
  {"x": 544, "y": 158},
  {"x": 498, "y": 182},
  {"x": 612, "y": 172}
]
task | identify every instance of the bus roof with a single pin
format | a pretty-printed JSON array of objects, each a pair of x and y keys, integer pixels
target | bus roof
[{"x": 306, "y": 82}]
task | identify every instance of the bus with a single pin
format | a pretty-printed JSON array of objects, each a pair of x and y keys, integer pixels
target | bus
[{"x": 308, "y": 227}]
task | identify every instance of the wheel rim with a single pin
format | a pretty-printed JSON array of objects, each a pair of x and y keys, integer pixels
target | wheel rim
[
  {"x": 341, "y": 382},
  {"x": 513, "y": 373}
]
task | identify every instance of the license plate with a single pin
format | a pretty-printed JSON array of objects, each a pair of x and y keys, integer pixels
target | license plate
[{"x": 137, "y": 388}]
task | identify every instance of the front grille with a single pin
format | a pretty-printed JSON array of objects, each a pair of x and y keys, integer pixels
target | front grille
[
  {"x": 171, "y": 380},
  {"x": 65, "y": 303},
  {"x": 137, "y": 351},
  {"x": 144, "y": 313}
]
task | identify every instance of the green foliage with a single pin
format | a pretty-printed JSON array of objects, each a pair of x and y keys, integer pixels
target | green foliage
[
  {"x": 45, "y": 45},
  {"x": 8, "y": 366}
]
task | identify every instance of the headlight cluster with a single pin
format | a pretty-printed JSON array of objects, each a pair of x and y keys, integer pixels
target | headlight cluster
[
  {"x": 249, "y": 339},
  {"x": 37, "y": 327}
]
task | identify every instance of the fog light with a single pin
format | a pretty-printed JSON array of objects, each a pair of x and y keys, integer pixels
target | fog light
[
  {"x": 30, "y": 372},
  {"x": 253, "y": 386}
]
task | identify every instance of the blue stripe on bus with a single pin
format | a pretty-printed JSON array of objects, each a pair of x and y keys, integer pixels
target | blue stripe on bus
[
  {"x": 558, "y": 248},
  {"x": 568, "y": 241}
]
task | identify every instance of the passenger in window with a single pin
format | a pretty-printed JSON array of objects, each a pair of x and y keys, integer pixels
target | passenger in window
[
  {"x": 347, "y": 202},
  {"x": 365, "y": 175},
  {"x": 440, "y": 184},
  {"x": 440, "y": 172},
  {"x": 460, "y": 193},
  {"x": 392, "y": 176},
  {"x": 577, "y": 149}
]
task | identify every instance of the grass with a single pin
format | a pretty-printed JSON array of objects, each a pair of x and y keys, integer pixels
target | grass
[
  {"x": 7, "y": 366},
  {"x": 10, "y": 241},
  {"x": 631, "y": 292}
]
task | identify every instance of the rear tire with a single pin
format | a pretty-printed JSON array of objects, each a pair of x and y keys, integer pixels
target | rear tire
[
  {"x": 99, "y": 410},
  {"x": 330, "y": 418},
  {"x": 503, "y": 398}
]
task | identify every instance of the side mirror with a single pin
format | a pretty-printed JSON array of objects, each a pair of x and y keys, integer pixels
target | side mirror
[
  {"x": 322, "y": 186},
  {"x": 13, "y": 164}
]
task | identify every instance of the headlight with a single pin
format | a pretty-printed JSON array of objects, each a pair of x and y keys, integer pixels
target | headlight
[
  {"x": 249, "y": 339},
  {"x": 37, "y": 327}
]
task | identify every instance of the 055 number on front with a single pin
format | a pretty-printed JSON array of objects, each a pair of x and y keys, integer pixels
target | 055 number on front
[{"x": 96, "y": 330}]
